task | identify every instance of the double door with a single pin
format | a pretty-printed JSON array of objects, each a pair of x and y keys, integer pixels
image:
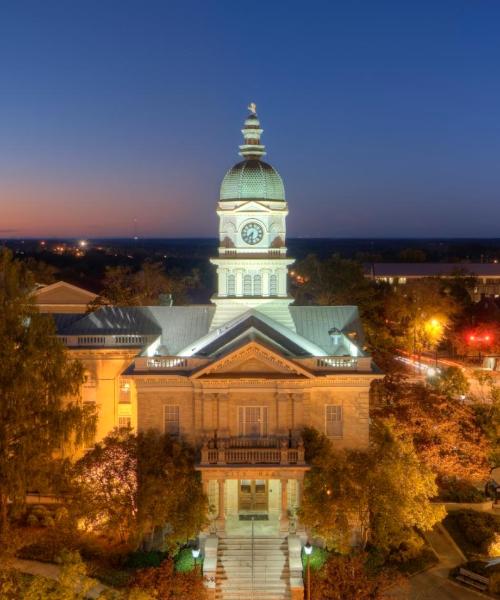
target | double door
[{"x": 253, "y": 495}]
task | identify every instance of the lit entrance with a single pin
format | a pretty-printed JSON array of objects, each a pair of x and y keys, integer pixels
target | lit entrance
[{"x": 253, "y": 496}]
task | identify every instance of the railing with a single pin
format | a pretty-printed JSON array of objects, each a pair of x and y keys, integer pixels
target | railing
[
  {"x": 168, "y": 363},
  {"x": 336, "y": 362},
  {"x": 240, "y": 451},
  {"x": 100, "y": 341}
]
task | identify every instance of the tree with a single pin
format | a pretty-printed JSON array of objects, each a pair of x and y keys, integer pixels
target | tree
[
  {"x": 149, "y": 286},
  {"x": 340, "y": 281},
  {"x": 71, "y": 584},
  {"x": 348, "y": 578},
  {"x": 40, "y": 270},
  {"x": 37, "y": 383},
  {"x": 420, "y": 313},
  {"x": 169, "y": 489},
  {"x": 105, "y": 487},
  {"x": 451, "y": 382},
  {"x": 446, "y": 432},
  {"x": 130, "y": 485},
  {"x": 384, "y": 492}
]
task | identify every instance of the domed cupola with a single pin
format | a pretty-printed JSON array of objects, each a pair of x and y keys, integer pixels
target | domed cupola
[{"x": 252, "y": 178}]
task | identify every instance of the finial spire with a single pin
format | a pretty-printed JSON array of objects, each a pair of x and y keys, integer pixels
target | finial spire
[{"x": 252, "y": 148}]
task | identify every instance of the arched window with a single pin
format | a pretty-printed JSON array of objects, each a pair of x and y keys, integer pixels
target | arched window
[
  {"x": 257, "y": 285},
  {"x": 231, "y": 285},
  {"x": 273, "y": 285},
  {"x": 247, "y": 285}
]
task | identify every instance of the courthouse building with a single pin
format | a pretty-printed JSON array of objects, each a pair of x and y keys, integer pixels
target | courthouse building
[{"x": 241, "y": 377}]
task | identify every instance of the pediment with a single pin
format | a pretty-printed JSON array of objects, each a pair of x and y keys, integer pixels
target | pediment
[
  {"x": 63, "y": 293},
  {"x": 253, "y": 206},
  {"x": 253, "y": 360}
]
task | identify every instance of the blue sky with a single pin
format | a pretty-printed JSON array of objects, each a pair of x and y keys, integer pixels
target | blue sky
[{"x": 382, "y": 117}]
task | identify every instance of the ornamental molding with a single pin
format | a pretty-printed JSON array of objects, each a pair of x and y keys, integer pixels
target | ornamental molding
[
  {"x": 217, "y": 472},
  {"x": 256, "y": 351}
]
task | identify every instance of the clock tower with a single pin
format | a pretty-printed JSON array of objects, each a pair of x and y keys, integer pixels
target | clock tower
[{"x": 252, "y": 266}]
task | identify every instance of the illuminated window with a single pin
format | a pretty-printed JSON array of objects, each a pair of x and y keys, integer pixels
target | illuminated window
[
  {"x": 171, "y": 419},
  {"x": 273, "y": 285},
  {"x": 257, "y": 285},
  {"x": 333, "y": 420},
  {"x": 124, "y": 422},
  {"x": 231, "y": 285}
]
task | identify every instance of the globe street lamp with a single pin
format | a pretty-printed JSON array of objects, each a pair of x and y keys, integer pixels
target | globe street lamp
[
  {"x": 308, "y": 550},
  {"x": 196, "y": 553}
]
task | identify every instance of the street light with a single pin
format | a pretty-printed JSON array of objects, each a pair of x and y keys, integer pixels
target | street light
[
  {"x": 196, "y": 553},
  {"x": 434, "y": 328},
  {"x": 308, "y": 550}
]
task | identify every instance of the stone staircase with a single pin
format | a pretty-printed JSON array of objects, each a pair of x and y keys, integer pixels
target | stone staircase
[{"x": 271, "y": 576}]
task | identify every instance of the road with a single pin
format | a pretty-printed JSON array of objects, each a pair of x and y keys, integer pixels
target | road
[{"x": 426, "y": 364}]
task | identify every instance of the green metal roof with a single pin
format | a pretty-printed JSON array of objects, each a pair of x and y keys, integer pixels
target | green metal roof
[{"x": 252, "y": 179}]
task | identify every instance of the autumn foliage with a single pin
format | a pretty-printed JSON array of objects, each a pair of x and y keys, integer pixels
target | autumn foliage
[
  {"x": 348, "y": 577},
  {"x": 166, "y": 584},
  {"x": 445, "y": 432}
]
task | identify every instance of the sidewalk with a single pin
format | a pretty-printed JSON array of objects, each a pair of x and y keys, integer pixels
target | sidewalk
[{"x": 50, "y": 571}]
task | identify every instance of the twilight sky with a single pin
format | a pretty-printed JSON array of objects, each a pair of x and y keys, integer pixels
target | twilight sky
[{"x": 383, "y": 117}]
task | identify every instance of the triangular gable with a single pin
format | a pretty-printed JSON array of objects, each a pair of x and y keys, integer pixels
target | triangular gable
[
  {"x": 62, "y": 292},
  {"x": 252, "y": 359},
  {"x": 255, "y": 322},
  {"x": 252, "y": 205}
]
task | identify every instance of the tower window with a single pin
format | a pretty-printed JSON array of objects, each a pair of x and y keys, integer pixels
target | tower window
[
  {"x": 231, "y": 285},
  {"x": 247, "y": 285},
  {"x": 273, "y": 285},
  {"x": 257, "y": 285}
]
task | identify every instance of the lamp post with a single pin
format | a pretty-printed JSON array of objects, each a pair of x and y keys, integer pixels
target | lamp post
[
  {"x": 308, "y": 550},
  {"x": 196, "y": 553}
]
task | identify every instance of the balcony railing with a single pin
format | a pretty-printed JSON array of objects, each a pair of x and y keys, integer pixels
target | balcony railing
[{"x": 252, "y": 451}]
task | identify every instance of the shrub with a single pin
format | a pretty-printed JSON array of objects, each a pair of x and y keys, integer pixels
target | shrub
[
  {"x": 457, "y": 490},
  {"x": 478, "y": 530},
  {"x": 49, "y": 545},
  {"x": 48, "y": 521},
  {"x": 142, "y": 560},
  {"x": 170, "y": 585},
  {"x": 32, "y": 520},
  {"x": 61, "y": 515}
]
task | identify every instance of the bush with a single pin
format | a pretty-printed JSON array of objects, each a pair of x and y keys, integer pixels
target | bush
[
  {"x": 169, "y": 584},
  {"x": 32, "y": 520},
  {"x": 184, "y": 561},
  {"x": 317, "y": 558},
  {"x": 475, "y": 532},
  {"x": 142, "y": 560},
  {"x": 49, "y": 545},
  {"x": 458, "y": 490}
]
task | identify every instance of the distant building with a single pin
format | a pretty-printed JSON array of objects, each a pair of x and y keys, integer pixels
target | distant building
[
  {"x": 487, "y": 275},
  {"x": 62, "y": 297},
  {"x": 239, "y": 378}
]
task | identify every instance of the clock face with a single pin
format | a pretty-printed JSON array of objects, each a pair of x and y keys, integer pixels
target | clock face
[{"x": 252, "y": 233}]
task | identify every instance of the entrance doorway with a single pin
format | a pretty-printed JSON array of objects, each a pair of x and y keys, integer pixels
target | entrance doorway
[{"x": 253, "y": 496}]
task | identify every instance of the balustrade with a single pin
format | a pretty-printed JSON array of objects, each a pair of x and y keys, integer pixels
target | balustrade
[{"x": 243, "y": 451}]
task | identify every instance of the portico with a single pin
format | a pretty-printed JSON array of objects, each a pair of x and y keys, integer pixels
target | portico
[{"x": 268, "y": 495}]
